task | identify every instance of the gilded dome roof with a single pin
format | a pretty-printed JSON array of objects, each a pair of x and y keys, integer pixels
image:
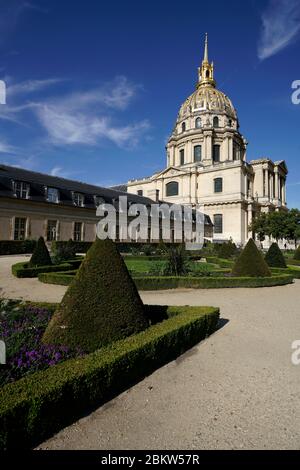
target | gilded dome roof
[{"x": 207, "y": 98}]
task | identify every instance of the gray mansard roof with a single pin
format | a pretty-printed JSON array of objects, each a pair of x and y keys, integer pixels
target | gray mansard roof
[{"x": 39, "y": 182}]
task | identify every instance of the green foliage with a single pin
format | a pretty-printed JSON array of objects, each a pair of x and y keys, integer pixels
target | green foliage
[
  {"x": 293, "y": 262},
  {"x": 40, "y": 255},
  {"x": 15, "y": 247},
  {"x": 297, "y": 254},
  {"x": 214, "y": 281},
  {"x": 226, "y": 250},
  {"x": 41, "y": 404},
  {"x": 79, "y": 247},
  {"x": 101, "y": 305},
  {"x": 280, "y": 225},
  {"x": 63, "y": 251},
  {"x": 251, "y": 262},
  {"x": 210, "y": 282},
  {"x": 23, "y": 270},
  {"x": 274, "y": 257},
  {"x": 176, "y": 260}
]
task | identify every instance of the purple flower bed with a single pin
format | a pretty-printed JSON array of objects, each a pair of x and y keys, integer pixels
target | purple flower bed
[{"x": 21, "y": 328}]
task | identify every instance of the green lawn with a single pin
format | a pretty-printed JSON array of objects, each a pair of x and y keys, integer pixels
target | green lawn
[{"x": 148, "y": 266}]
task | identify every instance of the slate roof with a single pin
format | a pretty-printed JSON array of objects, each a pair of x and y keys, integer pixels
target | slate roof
[{"x": 40, "y": 181}]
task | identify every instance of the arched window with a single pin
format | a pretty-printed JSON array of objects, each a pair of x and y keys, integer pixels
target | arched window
[
  {"x": 181, "y": 154},
  {"x": 230, "y": 123},
  {"x": 198, "y": 123},
  {"x": 172, "y": 188},
  {"x": 218, "y": 185},
  {"x": 183, "y": 127},
  {"x": 207, "y": 73},
  {"x": 197, "y": 153},
  {"x": 216, "y": 121}
]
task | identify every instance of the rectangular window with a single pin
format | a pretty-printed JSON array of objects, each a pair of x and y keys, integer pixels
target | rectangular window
[
  {"x": 20, "y": 228},
  {"x": 140, "y": 192},
  {"x": 218, "y": 185},
  {"x": 77, "y": 236},
  {"x": 78, "y": 199},
  {"x": 157, "y": 194},
  {"x": 216, "y": 153},
  {"x": 197, "y": 153},
  {"x": 52, "y": 195},
  {"x": 181, "y": 157},
  {"x": 51, "y": 230},
  {"x": 21, "y": 190},
  {"x": 218, "y": 223}
]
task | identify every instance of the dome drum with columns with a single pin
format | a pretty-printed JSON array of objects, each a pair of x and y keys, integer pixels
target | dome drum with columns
[{"x": 207, "y": 164}]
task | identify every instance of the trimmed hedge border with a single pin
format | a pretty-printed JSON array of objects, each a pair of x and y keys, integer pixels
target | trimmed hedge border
[
  {"x": 16, "y": 247},
  {"x": 289, "y": 270},
  {"x": 292, "y": 262},
  {"x": 171, "y": 282},
  {"x": 22, "y": 270},
  {"x": 37, "y": 406}
]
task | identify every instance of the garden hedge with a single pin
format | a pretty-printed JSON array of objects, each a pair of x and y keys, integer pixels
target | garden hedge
[
  {"x": 79, "y": 247},
  {"x": 40, "y": 255},
  {"x": 190, "y": 282},
  {"x": 37, "y": 406},
  {"x": 23, "y": 269},
  {"x": 15, "y": 247},
  {"x": 250, "y": 262},
  {"x": 274, "y": 257},
  {"x": 223, "y": 263},
  {"x": 294, "y": 272},
  {"x": 101, "y": 305},
  {"x": 293, "y": 262}
]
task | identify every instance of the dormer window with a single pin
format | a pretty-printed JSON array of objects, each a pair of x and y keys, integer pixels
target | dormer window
[
  {"x": 52, "y": 195},
  {"x": 21, "y": 189},
  {"x": 99, "y": 200},
  {"x": 78, "y": 199}
]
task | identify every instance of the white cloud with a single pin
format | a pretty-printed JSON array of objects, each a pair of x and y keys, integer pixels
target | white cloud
[
  {"x": 6, "y": 148},
  {"x": 30, "y": 86},
  {"x": 280, "y": 26},
  {"x": 68, "y": 128},
  {"x": 80, "y": 117}
]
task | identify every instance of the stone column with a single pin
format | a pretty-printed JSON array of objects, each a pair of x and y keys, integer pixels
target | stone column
[
  {"x": 230, "y": 148},
  {"x": 276, "y": 184}
]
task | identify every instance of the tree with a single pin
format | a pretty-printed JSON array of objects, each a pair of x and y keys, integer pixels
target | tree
[
  {"x": 274, "y": 257},
  {"x": 251, "y": 262},
  {"x": 259, "y": 226},
  {"x": 40, "y": 255},
  {"x": 292, "y": 227},
  {"x": 101, "y": 305}
]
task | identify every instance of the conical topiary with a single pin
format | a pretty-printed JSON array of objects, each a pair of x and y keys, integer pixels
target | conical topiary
[
  {"x": 297, "y": 254},
  {"x": 101, "y": 305},
  {"x": 251, "y": 262},
  {"x": 40, "y": 255},
  {"x": 274, "y": 257}
]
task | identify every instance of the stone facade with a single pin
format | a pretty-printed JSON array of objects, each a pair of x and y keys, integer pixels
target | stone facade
[{"x": 207, "y": 165}]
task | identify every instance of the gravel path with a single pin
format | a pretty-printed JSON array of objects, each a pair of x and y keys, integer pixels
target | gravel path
[{"x": 236, "y": 390}]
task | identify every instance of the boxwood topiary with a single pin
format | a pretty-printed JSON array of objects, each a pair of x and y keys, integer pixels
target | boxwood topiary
[
  {"x": 251, "y": 262},
  {"x": 297, "y": 254},
  {"x": 101, "y": 305},
  {"x": 274, "y": 257},
  {"x": 40, "y": 255}
]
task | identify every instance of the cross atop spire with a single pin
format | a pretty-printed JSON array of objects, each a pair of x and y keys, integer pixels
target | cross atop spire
[{"x": 206, "y": 71}]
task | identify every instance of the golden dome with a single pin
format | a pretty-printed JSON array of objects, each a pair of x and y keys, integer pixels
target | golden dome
[{"x": 207, "y": 98}]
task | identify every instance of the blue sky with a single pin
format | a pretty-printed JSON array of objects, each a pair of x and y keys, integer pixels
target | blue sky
[{"x": 93, "y": 88}]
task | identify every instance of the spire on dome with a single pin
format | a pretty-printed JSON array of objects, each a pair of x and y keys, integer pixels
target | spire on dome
[
  {"x": 206, "y": 71},
  {"x": 206, "y": 49}
]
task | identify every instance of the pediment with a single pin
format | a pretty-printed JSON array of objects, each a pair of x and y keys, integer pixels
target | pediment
[{"x": 171, "y": 171}]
